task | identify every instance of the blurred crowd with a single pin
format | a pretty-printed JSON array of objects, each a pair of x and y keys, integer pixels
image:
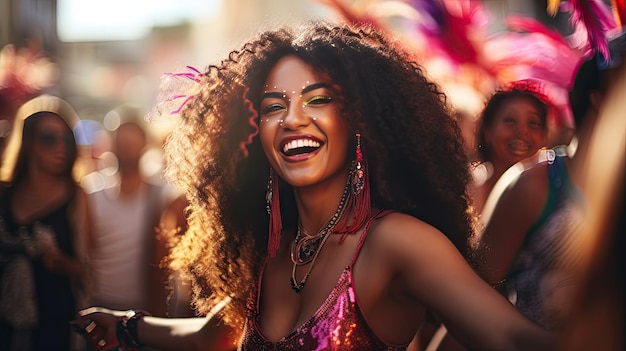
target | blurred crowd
[{"x": 86, "y": 218}]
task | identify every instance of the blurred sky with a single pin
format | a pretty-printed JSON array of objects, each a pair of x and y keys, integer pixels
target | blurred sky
[{"x": 89, "y": 20}]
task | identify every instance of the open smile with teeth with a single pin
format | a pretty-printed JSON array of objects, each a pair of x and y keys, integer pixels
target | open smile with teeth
[
  {"x": 519, "y": 146},
  {"x": 300, "y": 147}
]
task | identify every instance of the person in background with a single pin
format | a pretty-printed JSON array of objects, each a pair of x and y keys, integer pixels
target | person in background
[
  {"x": 361, "y": 226},
  {"x": 44, "y": 223},
  {"x": 125, "y": 271},
  {"x": 538, "y": 217},
  {"x": 25, "y": 73},
  {"x": 512, "y": 127},
  {"x": 531, "y": 245}
]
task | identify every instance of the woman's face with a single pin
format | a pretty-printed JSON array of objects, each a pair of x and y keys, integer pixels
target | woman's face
[
  {"x": 517, "y": 132},
  {"x": 51, "y": 145},
  {"x": 301, "y": 130}
]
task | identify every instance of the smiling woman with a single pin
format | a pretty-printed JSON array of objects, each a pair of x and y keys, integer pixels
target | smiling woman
[
  {"x": 368, "y": 211},
  {"x": 298, "y": 111}
]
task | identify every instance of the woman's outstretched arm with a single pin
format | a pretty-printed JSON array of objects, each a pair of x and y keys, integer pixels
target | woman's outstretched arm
[{"x": 99, "y": 327}]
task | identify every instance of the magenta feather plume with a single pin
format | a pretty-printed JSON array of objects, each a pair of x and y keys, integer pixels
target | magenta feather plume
[
  {"x": 596, "y": 18},
  {"x": 456, "y": 32},
  {"x": 531, "y": 50},
  {"x": 537, "y": 51},
  {"x": 452, "y": 27},
  {"x": 531, "y": 25}
]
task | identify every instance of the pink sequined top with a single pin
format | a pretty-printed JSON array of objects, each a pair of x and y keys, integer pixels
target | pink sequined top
[{"x": 337, "y": 325}]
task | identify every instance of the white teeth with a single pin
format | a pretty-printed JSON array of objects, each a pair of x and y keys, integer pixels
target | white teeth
[
  {"x": 519, "y": 146},
  {"x": 294, "y": 144}
]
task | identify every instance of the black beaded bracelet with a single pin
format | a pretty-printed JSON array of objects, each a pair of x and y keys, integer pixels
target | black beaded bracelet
[{"x": 126, "y": 330}]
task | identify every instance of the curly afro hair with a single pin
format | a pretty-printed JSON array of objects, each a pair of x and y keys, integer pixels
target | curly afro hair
[{"x": 413, "y": 148}]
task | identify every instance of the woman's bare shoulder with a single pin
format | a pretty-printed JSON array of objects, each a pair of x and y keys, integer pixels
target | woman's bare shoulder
[
  {"x": 398, "y": 222},
  {"x": 531, "y": 186},
  {"x": 414, "y": 253},
  {"x": 399, "y": 234}
]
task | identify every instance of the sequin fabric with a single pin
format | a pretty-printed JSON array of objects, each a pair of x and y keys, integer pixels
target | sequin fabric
[{"x": 336, "y": 326}]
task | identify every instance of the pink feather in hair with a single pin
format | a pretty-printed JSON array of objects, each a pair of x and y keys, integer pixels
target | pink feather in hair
[{"x": 176, "y": 90}]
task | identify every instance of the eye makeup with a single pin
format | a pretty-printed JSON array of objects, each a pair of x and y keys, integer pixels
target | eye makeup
[{"x": 280, "y": 100}]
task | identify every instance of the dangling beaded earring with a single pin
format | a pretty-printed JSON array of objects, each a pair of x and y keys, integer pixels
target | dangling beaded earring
[
  {"x": 272, "y": 199},
  {"x": 269, "y": 193},
  {"x": 358, "y": 181},
  {"x": 360, "y": 204}
]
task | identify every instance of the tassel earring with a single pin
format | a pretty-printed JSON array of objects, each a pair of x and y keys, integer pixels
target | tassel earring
[
  {"x": 358, "y": 181},
  {"x": 272, "y": 199},
  {"x": 360, "y": 202}
]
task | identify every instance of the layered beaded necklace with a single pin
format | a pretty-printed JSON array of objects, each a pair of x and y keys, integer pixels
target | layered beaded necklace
[{"x": 305, "y": 248}]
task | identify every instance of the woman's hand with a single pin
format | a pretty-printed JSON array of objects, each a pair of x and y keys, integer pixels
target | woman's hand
[{"x": 98, "y": 326}]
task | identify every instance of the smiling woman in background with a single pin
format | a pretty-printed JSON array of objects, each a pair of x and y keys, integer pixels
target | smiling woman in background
[{"x": 512, "y": 127}]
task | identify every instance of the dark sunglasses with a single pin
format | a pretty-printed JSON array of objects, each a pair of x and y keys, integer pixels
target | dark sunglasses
[{"x": 51, "y": 139}]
